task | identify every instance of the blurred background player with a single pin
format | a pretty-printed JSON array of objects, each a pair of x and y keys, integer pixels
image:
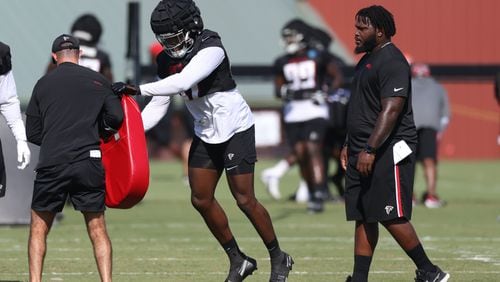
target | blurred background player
[
  {"x": 337, "y": 99},
  {"x": 88, "y": 30},
  {"x": 431, "y": 114},
  {"x": 299, "y": 80},
  {"x": 313, "y": 42}
]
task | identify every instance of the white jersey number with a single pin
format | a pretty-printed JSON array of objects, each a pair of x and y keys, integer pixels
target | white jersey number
[{"x": 302, "y": 75}]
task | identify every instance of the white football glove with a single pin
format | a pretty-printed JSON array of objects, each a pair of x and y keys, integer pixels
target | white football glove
[
  {"x": 318, "y": 98},
  {"x": 23, "y": 154}
]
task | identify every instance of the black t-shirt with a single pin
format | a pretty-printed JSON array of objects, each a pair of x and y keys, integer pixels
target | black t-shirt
[
  {"x": 381, "y": 74},
  {"x": 66, "y": 110},
  {"x": 219, "y": 80},
  {"x": 303, "y": 72}
]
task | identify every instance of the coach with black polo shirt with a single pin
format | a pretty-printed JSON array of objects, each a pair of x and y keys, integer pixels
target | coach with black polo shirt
[
  {"x": 69, "y": 109},
  {"x": 379, "y": 154}
]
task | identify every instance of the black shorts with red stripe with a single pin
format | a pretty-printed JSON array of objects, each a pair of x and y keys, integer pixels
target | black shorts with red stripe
[{"x": 384, "y": 195}]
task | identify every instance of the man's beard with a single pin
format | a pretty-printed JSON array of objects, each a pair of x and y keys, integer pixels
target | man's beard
[{"x": 367, "y": 45}]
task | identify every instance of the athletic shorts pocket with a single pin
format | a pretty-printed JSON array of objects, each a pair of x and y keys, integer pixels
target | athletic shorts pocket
[{"x": 95, "y": 173}]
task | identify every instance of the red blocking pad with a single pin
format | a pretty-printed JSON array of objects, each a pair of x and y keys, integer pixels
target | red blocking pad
[{"x": 125, "y": 160}]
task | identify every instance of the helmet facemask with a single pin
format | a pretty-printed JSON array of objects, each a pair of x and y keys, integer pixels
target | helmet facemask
[
  {"x": 177, "y": 44},
  {"x": 293, "y": 41}
]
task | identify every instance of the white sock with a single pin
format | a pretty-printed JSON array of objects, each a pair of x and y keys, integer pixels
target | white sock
[
  {"x": 281, "y": 168},
  {"x": 302, "y": 194}
]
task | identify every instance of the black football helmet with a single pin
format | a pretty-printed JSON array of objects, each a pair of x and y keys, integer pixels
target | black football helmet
[
  {"x": 294, "y": 35},
  {"x": 175, "y": 24},
  {"x": 320, "y": 39},
  {"x": 87, "y": 29}
]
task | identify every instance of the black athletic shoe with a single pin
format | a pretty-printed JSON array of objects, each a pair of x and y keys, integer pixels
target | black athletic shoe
[
  {"x": 315, "y": 206},
  {"x": 280, "y": 270},
  {"x": 348, "y": 279},
  {"x": 239, "y": 272},
  {"x": 431, "y": 276}
]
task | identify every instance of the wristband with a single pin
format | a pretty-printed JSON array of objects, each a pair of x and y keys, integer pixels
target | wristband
[{"x": 369, "y": 149}]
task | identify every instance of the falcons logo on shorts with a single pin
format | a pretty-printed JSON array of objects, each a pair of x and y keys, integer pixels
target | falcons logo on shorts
[{"x": 388, "y": 209}]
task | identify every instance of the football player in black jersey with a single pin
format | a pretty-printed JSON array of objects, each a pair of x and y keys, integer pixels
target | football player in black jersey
[
  {"x": 195, "y": 64},
  {"x": 381, "y": 141},
  {"x": 88, "y": 30},
  {"x": 299, "y": 80}
]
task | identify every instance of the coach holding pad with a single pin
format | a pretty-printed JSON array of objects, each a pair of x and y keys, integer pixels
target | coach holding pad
[{"x": 69, "y": 109}]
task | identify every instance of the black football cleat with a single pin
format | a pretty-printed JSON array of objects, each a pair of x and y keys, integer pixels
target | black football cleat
[
  {"x": 280, "y": 270},
  {"x": 239, "y": 272},
  {"x": 431, "y": 276}
]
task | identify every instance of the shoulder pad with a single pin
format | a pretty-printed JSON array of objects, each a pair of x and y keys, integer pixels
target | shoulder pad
[{"x": 206, "y": 34}]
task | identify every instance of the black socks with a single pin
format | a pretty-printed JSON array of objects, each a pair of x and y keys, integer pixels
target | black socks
[
  {"x": 232, "y": 251},
  {"x": 420, "y": 259},
  {"x": 361, "y": 268},
  {"x": 273, "y": 248}
]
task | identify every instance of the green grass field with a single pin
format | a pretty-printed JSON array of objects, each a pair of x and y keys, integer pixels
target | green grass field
[{"x": 164, "y": 239}]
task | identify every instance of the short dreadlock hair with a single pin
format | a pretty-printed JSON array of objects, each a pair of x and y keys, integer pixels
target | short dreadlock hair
[{"x": 378, "y": 17}]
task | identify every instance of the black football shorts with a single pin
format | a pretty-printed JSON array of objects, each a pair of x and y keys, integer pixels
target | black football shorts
[
  {"x": 384, "y": 195},
  {"x": 427, "y": 144},
  {"x": 83, "y": 181},
  {"x": 311, "y": 130},
  {"x": 237, "y": 155}
]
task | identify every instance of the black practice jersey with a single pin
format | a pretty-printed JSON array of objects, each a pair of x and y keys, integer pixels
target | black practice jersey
[
  {"x": 66, "y": 109},
  {"x": 383, "y": 73},
  {"x": 303, "y": 73},
  {"x": 219, "y": 80}
]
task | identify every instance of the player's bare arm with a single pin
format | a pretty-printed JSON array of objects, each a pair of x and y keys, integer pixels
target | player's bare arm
[{"x": 391, "y": 109}]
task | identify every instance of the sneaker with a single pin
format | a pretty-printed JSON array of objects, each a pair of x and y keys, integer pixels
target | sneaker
[
  {"x": 433, "y": 202},
  {"x": 348, "y": 279},
  {"x": 272, "y": 184},
  {"x": 302, "y": 194},
  {"x": 436, "y": 276},
  {"x": 240, "y": 272},
  {"x": 280, "y": 270}
]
